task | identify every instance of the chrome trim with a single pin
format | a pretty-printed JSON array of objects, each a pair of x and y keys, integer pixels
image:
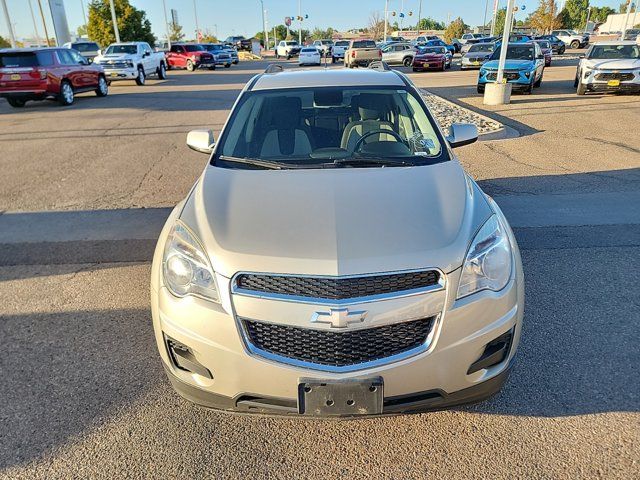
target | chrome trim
[
  {"x": 280, "y": 359},
  {"x": 235, "y": 290}
]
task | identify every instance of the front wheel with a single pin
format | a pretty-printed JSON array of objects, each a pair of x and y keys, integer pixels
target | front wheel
[
  {"x": 575, "y": 44},
  {"x": 66, "y": 96},
  {"x": 562, "y": 50},
  {"x": 529, "y": 89},
  {"x": 141, "y": 78},
  {"x": 190, "y": 66},
  {"x": 582, "y": 88},
  {"x": 407, "y": 61},
  {"x": 480, "y": 88},
  {"x": 16, "y": 102},
  {"x": 538, "y": 82},
  {"x": 103, "y": 88},
  {"x": 162, "y": 72},
  {"x": 227, "y": 65},
  {"x": 444, "y": 66}
]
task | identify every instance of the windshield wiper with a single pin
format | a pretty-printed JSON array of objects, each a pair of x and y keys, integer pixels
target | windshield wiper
[
  {"x": 267, "y": 164},
  {"x": 383, "y": 161}
]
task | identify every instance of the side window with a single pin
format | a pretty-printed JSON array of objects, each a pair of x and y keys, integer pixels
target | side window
[
  {"x": 64, "y": 57},
  {"x": 77, "y": 58}
]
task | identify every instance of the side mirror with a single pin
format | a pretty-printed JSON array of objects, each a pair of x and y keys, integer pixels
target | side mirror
[
  {"x": 201, "y": 141},
  {"x": 462, "y": 134},
  {"x": 99, "y": 53},
  {"x": 146, "y": 54}
]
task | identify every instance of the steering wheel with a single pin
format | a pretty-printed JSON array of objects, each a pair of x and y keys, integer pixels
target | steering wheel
[{"x": 360, "y": 141}]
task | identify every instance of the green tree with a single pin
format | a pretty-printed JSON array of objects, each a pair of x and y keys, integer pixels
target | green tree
[
  {"x": 455, "y": 30},
  {"x": 430, "y": 24},
  {"x": 623, "y": 7},
  {"x": 320, "y": 34},
  {"x": 133, "y": 24},
  {"x": 209, "y": 39},
  {"x": 175, "y": 32},
  {"x": 574, "y": 14},
  {"x": 546, "y": 17},
  {"x": 81, "y": 31},
  {"x": 600, "y": 14},
  {"x": 501, "y": 15},
  {"x": 4, "y": 43}
]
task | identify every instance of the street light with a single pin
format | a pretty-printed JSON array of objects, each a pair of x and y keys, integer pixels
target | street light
[
  {"x": 166, "y": 23},
  {"x": 264, "y": 27},
  {"x": 115, "y": 21},
  {"x": 586, "y": 25}
]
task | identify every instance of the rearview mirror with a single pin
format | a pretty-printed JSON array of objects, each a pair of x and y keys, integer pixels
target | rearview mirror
[
  {"x": 462, "y": 134},
  {"x": 201, "y": 141}
]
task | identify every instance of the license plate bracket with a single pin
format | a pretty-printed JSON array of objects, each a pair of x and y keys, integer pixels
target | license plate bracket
[
  {"x": 331, "y": 398},
  {"x": 613, "y": 83}
]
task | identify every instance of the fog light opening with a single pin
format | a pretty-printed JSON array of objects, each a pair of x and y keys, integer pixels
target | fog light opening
[
  {"x": 495, "y": 352},
  {"x": 183, "y": 358}
]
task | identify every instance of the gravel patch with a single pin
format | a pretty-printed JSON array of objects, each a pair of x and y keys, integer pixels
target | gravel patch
[{"x": 447, "y": 113}]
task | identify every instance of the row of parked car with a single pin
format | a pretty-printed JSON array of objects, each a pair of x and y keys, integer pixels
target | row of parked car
[{"x": 61, "y": 72}]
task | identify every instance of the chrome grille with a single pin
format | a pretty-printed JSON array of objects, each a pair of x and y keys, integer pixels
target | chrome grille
[
  {"x": 327, "y": 348},
  {"x": 336, "y": 288},
  {"x": 507, "y": 75},
  {"x": 622, "y": 76}
]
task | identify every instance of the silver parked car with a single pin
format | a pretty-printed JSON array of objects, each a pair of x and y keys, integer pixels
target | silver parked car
[
  {"x": 334, "y": 259},
  {"x": 477, "y": 55},
  {"x": 398, "y": 53}
]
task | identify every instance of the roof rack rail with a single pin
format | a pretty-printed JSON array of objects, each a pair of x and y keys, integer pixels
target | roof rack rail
[
  {"x": 274, "y": 68},
  {"x": 380, "y": 65}
]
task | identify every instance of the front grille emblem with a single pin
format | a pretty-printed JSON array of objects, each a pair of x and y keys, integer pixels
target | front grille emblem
[{"x": 339, "y": 317}]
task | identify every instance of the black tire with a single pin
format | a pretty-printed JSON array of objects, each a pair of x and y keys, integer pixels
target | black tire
[
  {"x": 444, "y": 65},
  {"x": 16, "y": 102},
  {"x": 227, "y": 65},
  {"x": 288, "y": 57},
  {"x": 235, "y": 62},
  {"x": 538, "y": 82},
  {"x": 162, "y": 72},
  {"x": 576, "y": 80},
  {"x": 103, "y": 87},
  {"x": 333, "y": 59},
  {"x": 141, "y": 79},
  {"x": 190, "y": 66},
  {"x": 212, "y": 67},
  {"x": 449, "y": 65},
  {"x": 582, "y": 88},
  {"x": 575, "y": 44},
  {"x": 562, "y": 50},
  {"x": 66, "y": 96},
  {"x": 168, "y": 66},
  {"x": 277, "y": 56},
  {"x": 480, "y": 88},
  {"x": 407, "y": 61},
  {"x": 529, "y": 89}
]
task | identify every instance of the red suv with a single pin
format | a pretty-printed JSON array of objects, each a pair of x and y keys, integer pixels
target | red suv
[
  {"x": 190, "y": 56},
  {"x": 36, "y": 74}
]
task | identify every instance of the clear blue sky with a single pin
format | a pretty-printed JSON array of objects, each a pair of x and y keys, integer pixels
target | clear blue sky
[{"x": 242, "y": 17}]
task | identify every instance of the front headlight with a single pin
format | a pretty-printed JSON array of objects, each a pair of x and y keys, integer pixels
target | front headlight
[
  {"x": 488, "y": 263},
  {"x": 186, "y": 268}
]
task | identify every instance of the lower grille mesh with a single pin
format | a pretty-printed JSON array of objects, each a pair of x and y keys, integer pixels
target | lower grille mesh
[{"x": 338, "y": 349}]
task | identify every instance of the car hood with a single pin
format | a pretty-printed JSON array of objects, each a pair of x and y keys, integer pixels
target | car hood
[
  {"x": 117, "y": 56},
  {"x": 613, "y": 64},
  {"x": 430, "y": 56},
  {"x": 509, "y": 64},
  {"x": 341, "y": 221},
  {"x": 477, "y": 54}
]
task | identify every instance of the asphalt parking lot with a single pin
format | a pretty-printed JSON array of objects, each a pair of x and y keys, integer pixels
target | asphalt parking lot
[{"x": 83, "y": 391}]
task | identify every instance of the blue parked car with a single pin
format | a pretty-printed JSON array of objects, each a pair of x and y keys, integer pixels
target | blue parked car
[
  {"x": 523, "y": 69},
  {"x": 440, "y": 43}
]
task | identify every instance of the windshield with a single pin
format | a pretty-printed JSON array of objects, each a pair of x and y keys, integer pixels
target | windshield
[
  {"x": 85, "y": 47},
  {"x": 516, "y": 52},
  {"x": 309, "y": 50},
  {"x": 423, "y": 50},
  {"x": 615, "y": 52},
  {"x": 481, "y": 47},
  {"x": 117, "y": 49},
  {"x": 543, "y": 44},
  {"x": 213, "y": 48},
  {"x": 326, "y": 126},
  {"x": 292, "y": 43},
  {"x": 342, "y": 43},
  {"x": 193, "y": 48}
]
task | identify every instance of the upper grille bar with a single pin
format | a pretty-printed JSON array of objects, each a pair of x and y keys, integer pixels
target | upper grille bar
[{"x": 336, "y": 290}]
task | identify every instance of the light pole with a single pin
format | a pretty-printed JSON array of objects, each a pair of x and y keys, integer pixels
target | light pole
[
  {"x": 44, "y": 24},
  {"x": 195, "y": 12},
  {"x": 505, "y": 41},
  {"x": 635, "y": 12},
  {"x": 420, "y": 16},
  {"x": 115, "y": 21},
  {"x": 493, "y": 18},
  {"x": 35, "y": 25},
  {"x": 484, "y": 20},
  {"x": 386, "y": 18},
  {"x": 300, "y": 18},
  {"x": 84, "y": 15},
  {"x": 586, "y": 25},
  {"x": 166, "y": 23},
  {"x": 626, "y": 19},
  {"x": 264, "y": 27},
  {"x": 12, "y": 36}
]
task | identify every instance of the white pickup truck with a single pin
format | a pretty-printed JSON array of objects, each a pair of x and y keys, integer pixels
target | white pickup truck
[{"x": 132, "y": 61}]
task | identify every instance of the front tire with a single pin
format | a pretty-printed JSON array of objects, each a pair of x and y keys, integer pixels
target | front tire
[
  {"x": 103, "y": 88},
  {"x": 562, "y": 50},
  {"x": 141, "y": 78},
  {"x": 16, "y": 102},
  {"x": 575, "y": 44},
  {"x": 227, "y": 65},
  {"x": 480, "y": 88},
  {"x": 66, "y": 96},
  {"x": 162, "y": 72},
  {"x": 582, "y": 88},
  {"x": 190, "y": 66},
  {"x": 407, "y": 61},
  {"x": 538, "y": 83}
]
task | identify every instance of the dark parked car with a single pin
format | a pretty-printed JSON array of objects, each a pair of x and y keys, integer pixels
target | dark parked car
[
  {"x": 430, "y": 58},
  {"x": 545, "y": 46},
  {"x": 189, "y": 56},
  {"x": 37, "y": 74},
  {"x": 239, "y": 42},
  {"x": 558, "y": 47},
  {"x": 88, "y": 50}
]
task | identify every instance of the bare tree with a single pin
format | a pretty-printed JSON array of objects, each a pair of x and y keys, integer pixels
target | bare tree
[{"x": 376, "y": 26}]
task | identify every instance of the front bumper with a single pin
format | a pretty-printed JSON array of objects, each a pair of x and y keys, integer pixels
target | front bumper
[
  {"x": 112, "y": 74},
  {"x": 518, "y": 79},
  {"x": 467, "y": 63},
  {"x": 611, "y": 81},
  {"x": 422, "y": 64},
  {"x": 435, "y": 378}
]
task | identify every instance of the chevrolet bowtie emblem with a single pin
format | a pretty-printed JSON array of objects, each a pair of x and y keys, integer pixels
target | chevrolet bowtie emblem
[{"x": 339, "y": 317}]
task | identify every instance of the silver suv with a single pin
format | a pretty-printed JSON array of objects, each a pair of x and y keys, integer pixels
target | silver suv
[{"x": 334, "y": 259}]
